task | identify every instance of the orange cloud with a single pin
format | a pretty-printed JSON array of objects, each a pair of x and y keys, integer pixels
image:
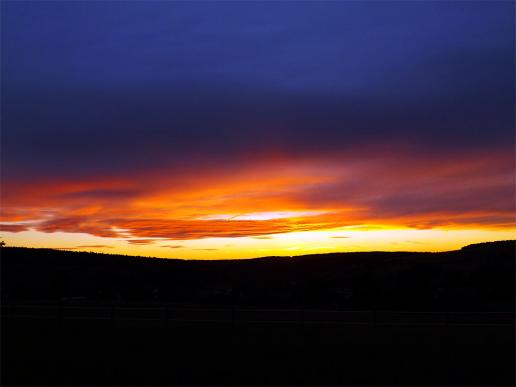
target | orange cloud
[
  {"x": 86, "y": 247},
  {"x": 272, "y": 197}
]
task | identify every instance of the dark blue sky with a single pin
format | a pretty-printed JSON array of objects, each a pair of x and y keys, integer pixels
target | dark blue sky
[
  {"x": 166, "y": 119},
  {"x": 89, "y": 85}
]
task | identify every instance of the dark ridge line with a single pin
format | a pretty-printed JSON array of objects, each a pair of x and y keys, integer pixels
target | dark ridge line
[{"x": 470, "y": 247}]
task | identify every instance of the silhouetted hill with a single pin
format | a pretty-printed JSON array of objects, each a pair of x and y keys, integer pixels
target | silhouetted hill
[
  {"x": 477, "y": 277},
  {"x": 214, "y": 331}
]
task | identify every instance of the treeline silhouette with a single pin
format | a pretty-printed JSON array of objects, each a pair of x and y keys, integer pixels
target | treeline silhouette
[{"x": 476, "y": 278}]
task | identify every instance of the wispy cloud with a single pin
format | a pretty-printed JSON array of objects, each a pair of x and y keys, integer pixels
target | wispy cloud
[
  {"x": 452, "y": 192},
  {"x": 86, "y": 247},
  {"x": 13, "y": 227}
]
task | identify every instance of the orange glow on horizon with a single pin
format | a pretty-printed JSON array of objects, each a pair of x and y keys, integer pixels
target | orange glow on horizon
[{"x": 269, "y": 209}]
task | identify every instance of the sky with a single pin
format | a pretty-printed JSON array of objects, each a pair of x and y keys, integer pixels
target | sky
[{"x": 244, "y": 129}]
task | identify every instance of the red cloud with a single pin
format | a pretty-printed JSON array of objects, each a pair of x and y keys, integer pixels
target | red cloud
[
  {"x": 396, "y": 189},
  {"x": 14, "y": 227}
]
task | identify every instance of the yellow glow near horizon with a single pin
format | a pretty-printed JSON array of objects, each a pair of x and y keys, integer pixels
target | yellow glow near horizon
[
  {"x": 263, "y": 215},
  {"x": 344, "y": 239}
]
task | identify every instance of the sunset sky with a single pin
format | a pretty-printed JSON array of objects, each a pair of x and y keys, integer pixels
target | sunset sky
[{"x": 244, "y": 129}]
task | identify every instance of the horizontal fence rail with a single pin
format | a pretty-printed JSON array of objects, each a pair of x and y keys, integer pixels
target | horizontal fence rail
[{"x": 254, "y": 316}]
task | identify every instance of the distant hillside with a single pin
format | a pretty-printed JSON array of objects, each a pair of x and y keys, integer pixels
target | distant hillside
[
  {"x": 491, "y": 246},
  {"x": 477, "y": 277}
]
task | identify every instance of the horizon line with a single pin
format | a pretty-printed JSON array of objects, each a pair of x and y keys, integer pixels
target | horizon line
[{"x": 72, "y": 250}]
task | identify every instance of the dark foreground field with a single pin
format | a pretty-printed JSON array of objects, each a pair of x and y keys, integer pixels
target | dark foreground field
[
  {"x": 153, "y": 352},
  {"x": 440, "y": 319}
]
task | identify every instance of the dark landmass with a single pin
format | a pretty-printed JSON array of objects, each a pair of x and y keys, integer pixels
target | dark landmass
[
  {"x": 478, "y": 277},
  {"x": 72, "y": 318}
]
